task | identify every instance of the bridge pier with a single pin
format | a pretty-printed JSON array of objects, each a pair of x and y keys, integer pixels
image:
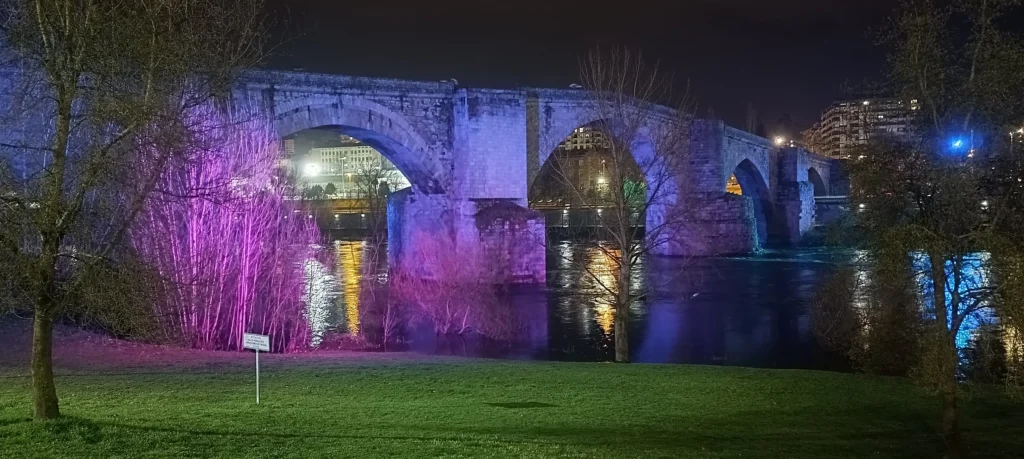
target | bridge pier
[
  {"x": 427, "y": 233},
  {"x": 795, "y": 202},
  {"x": 794, "y": 196},
  {"x": 714, "y": 224}
]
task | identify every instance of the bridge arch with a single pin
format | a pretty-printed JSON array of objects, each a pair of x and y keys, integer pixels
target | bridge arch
[
  {"x": 377, "y": 127},
  {"x": 820, "y": 188},
  {"x": 753, "y": 165},
  {"x": 752, "y": 184},
  {"x": 639, "y": 145}
]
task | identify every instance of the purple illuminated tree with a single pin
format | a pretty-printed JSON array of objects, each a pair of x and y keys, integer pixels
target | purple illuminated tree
[
  {"x": 460, "y": 295},
  {"x": 230, "y": 250}
]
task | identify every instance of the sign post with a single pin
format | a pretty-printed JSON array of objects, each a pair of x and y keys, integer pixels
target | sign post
[{"x": 257, "y": 343}]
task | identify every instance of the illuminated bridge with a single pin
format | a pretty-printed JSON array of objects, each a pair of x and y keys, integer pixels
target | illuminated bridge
[{"x": 471, "y": 155}]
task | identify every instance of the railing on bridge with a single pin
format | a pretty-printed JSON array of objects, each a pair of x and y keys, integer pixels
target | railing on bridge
[{"x": 828, "y": 209}]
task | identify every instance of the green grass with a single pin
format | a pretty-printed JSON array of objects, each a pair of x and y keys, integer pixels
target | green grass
[{"x": 474, "y": 408}]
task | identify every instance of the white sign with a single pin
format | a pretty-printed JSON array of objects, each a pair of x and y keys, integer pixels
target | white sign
[{"x": 256, "y": 342}]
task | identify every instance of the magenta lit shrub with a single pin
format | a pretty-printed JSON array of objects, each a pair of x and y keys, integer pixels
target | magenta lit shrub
[{"x": 228, "y": 246}]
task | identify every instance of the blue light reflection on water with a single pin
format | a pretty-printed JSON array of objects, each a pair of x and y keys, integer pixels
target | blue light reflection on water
[{"x": 974, "y": 276}]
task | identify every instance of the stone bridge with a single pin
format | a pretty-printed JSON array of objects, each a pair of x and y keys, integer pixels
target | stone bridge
[{"x": 471, "y": 155}]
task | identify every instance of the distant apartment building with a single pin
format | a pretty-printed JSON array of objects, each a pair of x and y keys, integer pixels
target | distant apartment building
[
  {"x": 577, "y": 170},
  {"x": 584, "y": 138},
  {"x": 848, "y": 124}
]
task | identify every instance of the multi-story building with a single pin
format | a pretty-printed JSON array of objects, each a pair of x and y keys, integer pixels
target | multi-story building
[
  {"x": 337, "y": 161},
  {"x": 346, "y": 167},
  {"x": 850, "y": 123},
  {"x": 585, "y": 138},
  {"x": 577, "y": 171}
]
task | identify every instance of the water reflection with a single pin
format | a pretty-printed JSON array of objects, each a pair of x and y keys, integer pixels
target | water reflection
[
  {"x": 749, "y": 310},
  {"x": 979, "y": 328},
  {"x": 598, "y": 276},
  {"x": 319, "y": 297},
  {"x": 349, "y": 257}
]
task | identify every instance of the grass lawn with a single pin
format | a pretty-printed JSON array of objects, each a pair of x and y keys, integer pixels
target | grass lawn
[{"x": 431, "y": 407}]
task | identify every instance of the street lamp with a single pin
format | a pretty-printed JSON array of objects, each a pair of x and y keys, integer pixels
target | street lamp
[{"x": 780, "y": 141}]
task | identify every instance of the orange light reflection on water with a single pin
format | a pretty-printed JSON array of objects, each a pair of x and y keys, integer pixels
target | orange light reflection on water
[{"x": 349, "y": 256}]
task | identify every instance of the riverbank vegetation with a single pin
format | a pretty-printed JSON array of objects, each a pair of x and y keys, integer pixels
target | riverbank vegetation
[{"x": 940, "y": 210}]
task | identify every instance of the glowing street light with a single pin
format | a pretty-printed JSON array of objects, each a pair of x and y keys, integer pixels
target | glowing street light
[
  {"x": 600, "y": 180},
  {"x": 311, "y": 170},
  {"x": 958, "y": 146},
  {"x": 780, "y": 141}
]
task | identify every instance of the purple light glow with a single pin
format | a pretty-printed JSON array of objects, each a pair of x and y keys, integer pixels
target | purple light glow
[{"x": 231, "y": 260}]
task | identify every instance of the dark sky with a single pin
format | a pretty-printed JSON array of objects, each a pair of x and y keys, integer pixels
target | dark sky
[{"x": 784, "y": 56}]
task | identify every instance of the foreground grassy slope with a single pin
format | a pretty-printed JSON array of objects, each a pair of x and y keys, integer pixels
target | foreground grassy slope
[{"x": 472, "y": 408}]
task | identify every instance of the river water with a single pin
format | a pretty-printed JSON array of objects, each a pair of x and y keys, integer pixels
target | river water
[{"x": 748, "y": 311}]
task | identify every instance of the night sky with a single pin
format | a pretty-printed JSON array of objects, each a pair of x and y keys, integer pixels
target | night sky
[{"x": 786, "y": 57}]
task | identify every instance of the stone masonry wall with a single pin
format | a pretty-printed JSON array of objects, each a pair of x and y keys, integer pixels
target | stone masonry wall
[
  {"x": 490, "y": 145},
  {"x": 412, "y": 216},
  {"x": 506, "y": 237},
  {"x": 719, "y": 224},
  {"x": 511, "y": 238},
  {"x": 795, "y": 204}
]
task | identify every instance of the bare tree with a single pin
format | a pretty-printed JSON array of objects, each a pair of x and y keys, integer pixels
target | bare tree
[
  {"x": 372, "y": 183},
  {"x": 643, "y": 149},
  {"x": 97, "y": 104},
  {"x": 384, "y": 314}
]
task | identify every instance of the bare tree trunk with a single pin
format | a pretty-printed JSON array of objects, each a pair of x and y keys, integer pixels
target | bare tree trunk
[
  {"x": 622, "y": 313},
  {"x": 44, "y": 391},
  {"x": 948, "y": 386}
]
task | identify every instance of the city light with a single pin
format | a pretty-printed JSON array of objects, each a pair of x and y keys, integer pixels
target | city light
[
  {"x": 600, "y": 179},
  {"x": 867, "y": 102},
  {"x": 780, "y": 141},
  {"x": 311, "y": 170},
  {"x": 959, "y": 146}
]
